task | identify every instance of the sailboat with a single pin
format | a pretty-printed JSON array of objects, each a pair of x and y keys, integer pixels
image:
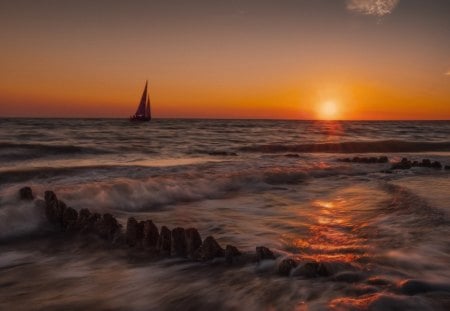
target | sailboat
[{"x": 143, "y": 112}]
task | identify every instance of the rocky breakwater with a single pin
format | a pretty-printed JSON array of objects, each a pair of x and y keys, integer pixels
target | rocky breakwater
[
  {"x": 145, "y": 238},
  {"x": 406, "y": 164}
]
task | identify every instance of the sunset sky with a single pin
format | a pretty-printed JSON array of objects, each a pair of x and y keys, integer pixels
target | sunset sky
[{"x": 280, "y": 59}]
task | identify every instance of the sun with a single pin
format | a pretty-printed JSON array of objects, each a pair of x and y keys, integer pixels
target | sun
[{"x": 328, "y": 110}]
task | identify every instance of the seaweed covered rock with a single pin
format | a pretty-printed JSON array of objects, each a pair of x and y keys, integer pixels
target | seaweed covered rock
[
  {"x": 286, "y": 265},
  {"x": 209, "y": 250},
  {"x": 178, "y": 242},
  {"x": 164, "y": 240},
  {"x": 150, "y": 234},
  {"x": 263, "y": 253},
  {"x": 26, "y": 194},
  {"x": 193, "y": 241}
]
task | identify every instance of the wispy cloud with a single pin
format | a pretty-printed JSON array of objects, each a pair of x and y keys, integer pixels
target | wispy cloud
[
  {"x": 372, "y": 7},
  {"x": 447, "y": 73}
]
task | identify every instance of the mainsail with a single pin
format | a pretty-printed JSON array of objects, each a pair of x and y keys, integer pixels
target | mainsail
[
  {"x": 148, "y": 113},
  {"x": 143, "y": 112}
]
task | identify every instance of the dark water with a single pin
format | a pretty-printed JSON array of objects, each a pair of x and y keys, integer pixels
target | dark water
[{"x": 248, "y": 183}]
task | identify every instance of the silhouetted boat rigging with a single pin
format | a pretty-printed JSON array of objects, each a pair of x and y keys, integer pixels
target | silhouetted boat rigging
[{"x": 143, "y": 112}]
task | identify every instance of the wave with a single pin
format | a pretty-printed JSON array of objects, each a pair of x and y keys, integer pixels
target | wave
[
  {"x": 353, "y": 147},
  {"x": 15, "y": 151}
]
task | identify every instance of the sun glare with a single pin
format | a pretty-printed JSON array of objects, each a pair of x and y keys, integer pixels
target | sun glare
[{"x": 328, "y": 110}]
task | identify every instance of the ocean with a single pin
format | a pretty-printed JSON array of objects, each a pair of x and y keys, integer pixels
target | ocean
[{"x": 384, "y": 234}]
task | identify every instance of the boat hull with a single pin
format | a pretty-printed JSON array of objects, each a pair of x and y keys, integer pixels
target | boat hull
[{"x": 139, "y": 119}]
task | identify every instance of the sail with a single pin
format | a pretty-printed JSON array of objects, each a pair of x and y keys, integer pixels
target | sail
[
  {"x": 148, "y": 113},
  {"x": 141, "y": 111}
]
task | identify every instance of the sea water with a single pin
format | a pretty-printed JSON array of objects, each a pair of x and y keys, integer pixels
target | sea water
[{"x": 248, "y": 183}]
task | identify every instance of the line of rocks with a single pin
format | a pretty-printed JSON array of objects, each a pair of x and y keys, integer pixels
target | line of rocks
[
  {"x": 406, "y": 164},
  {"x": 145, "y": 236}
]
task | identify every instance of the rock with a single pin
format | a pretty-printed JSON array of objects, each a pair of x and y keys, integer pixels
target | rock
[
  {"x": 151, "y": 234},
  {"x": 107, "y": 227},
  {"x": 286, "y": 265},
  {"x": 49, "y": 196},
  {"x": 134, "y": 232},
  {"x": 26, "y": 194},
  {"x": 193, "y": 241},
  {"x": 209, "y": 250},
  {"x": 163, "y": 244},
  {"x": 178, "y": 242},
  {"x": 436, "y": 165},
  {"x": 383, "y": 159},
  {"x": 447, "y": 167},
  {"x": 69, "y": 219},
  {"x": 86, "y": 221},
  {"x": 426, "y": 163},
  {"x": 404, "y": 164},
  {"x": 230, "y": 253},
  {"x": 312, "y": 270},
  {"x": 263, "y": 253}
]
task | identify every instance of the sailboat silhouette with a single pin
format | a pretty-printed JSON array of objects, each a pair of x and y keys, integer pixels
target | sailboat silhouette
[{"x": 143, "y": 112}]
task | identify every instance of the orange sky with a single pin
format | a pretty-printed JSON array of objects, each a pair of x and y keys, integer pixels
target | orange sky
[{"x": 219, "y": 59}]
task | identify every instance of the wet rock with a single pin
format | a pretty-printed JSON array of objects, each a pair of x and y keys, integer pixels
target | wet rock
[
  {"x": 26, "y": 194},
  {"x": 163, "y": 244},
  {"x": 209, "y": 250},
  {"x": 311, "y": 270},
  {"x": 178, "y": 242},
  {"x": 383, "y": 159},
  {"x": 231, "y": 252},
  {"x": 404, "y": 164},
  {"x": 286, "y": 265},
  {"x": 69, "y": 219},
  {"x": 86, "y": 220},
  {"x": 107, "y": 227},
  {"x": 134, "y": 232},
  {"x": 263, "y": 253},
  {"x": 150, "y": 234},
  {"x": 49, "y": 196},
  {"x": 436, "y": 165},
  {"x": 425, "y": 163},
  {"x": 193, "y": 241}
]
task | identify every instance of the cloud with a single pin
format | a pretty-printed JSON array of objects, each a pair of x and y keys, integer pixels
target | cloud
[
  {"x": 447, "y": 73},
  {"x": 372, "y": 7}
]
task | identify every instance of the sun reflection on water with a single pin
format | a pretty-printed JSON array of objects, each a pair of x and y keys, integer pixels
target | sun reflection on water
[{"x": 332, "y": 235}]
